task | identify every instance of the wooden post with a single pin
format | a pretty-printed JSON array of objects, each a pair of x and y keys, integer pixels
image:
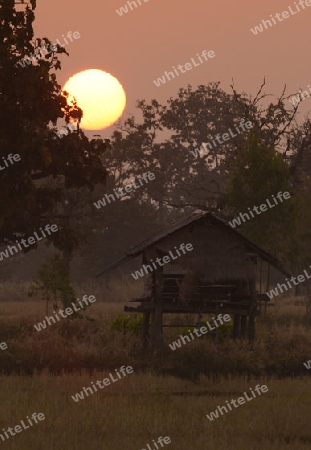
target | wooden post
[
  {"x": 268, "y": 284},
  {"x": 145, "y": 329},
  {"x": 308, "y": 301},
  {"x": 260, "y": 279},
  {"x": 217, "y": 329},
  {"x": 268, "y": 278},
  {"x": 251, "y": 329},
  {"x": 236, "y": 326},
  {"x": 252, "y": 313},
  {"x": 156, "y": 326},
  {"x": 243, "y": 326}
]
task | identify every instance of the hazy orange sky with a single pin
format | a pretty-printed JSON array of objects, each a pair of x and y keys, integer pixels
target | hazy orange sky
[{"x": 147, "y": 41}]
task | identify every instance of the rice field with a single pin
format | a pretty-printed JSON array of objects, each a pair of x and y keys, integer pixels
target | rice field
[{"x": 161, "y": 397}]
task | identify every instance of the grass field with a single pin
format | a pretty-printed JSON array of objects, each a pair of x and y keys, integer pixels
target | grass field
[
  {"x": 142, "y": 407},
  {"x": 145, "y": 405}
]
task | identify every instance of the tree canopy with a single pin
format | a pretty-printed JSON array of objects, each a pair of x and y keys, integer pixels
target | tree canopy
[{"x": 31, "y": 102}]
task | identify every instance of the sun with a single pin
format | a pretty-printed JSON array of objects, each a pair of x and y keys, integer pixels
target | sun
[{"x": 100, "y": 96}]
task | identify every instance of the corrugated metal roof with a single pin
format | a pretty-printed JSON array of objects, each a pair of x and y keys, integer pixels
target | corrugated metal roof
[{"x": 182, "y": 222}]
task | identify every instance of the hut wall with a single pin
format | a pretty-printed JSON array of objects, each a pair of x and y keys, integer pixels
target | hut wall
[{"x": 217, "y": 255}]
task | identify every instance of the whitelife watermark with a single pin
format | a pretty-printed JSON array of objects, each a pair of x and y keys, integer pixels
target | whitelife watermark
[
  {"x": 225, "y": 136},
  {"x": 279, "y": 287},
  {"x": 188, "y": 66},
  {"x": 166, "y": 259},
  {"x": 64, "y": 313},
  {"x": 241, "y": 401},
  {"x": 3, "y": 345},
  {"x": 184, "y": 339},
  {"x": 262, "y": 207},
  {"x": 166, "y": 440},
  {"x": 37, "y": 56},
  {"x": 124, "y": 9},
  {"x": 307, "y": 364},
  {"x": 31, "y": 240},
  {"x": 106, "y": 382},
  {"x": 285, "y": 15},
  {"x": 19, "y": 429},
  {"x": 128, "y": 189},
  {"x": 11, "y": 158},
  {"x": 302, "y": 95}
]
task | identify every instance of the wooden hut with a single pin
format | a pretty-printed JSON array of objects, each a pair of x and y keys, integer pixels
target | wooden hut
[{"x": 224, "y": 273}]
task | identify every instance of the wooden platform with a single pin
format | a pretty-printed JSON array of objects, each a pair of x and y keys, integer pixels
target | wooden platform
[{"x": 211, "y": 308}]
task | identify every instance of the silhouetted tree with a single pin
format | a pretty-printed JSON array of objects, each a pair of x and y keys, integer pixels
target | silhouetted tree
[
  {"x": 31, "y": 100},
  {"x": 168, "y": 134}
]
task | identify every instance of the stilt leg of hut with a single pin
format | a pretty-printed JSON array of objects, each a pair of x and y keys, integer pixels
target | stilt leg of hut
[
  {"x": 251, "y": 329},
  {"x": 156, "y": 327},
  {"x": 145, "y": 329},
  {"x": 268, "y": 287},
  {"x": 252, "y": 315},
  {"x": 236, "y": 326},
  {"x": 243, "y": 326}
]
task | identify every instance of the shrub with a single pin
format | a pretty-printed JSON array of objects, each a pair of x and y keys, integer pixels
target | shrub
[
  {"x": 126, "y": 323},
  {"x": 224, "y": 332},
  {"x": 53, "y": 283}
]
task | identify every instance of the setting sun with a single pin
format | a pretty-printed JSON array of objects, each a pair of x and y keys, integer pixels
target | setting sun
[{"x": 100, "y": 96}]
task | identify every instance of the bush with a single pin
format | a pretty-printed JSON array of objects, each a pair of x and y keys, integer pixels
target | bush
[
  {"x": 53, "y": 284},
  {"x": 224, "y": 332},
  {"x": 126, "y": 323}
]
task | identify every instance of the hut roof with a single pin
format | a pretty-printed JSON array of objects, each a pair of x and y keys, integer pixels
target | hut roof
[{"x": 183, "y": 222}]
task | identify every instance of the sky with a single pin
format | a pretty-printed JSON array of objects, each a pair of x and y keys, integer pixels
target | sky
[{"x": 139, "y": 46}]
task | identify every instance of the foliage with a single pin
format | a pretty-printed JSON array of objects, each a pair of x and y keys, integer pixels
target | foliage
[
  {"x": 127, "y": 323},
  {"x": 163, "y": 142},
  {"x": 258, "y": 173},
  {"x": 53, "y": 283},
  {"x": 224, "y": 331},
  {"x": 282, "y": 344},
  {"x": 31, "y": 100}
]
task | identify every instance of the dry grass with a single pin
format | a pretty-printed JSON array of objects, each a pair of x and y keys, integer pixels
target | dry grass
[
  {"x": 142, "y": 407},
  {"x": 35, "y": 310},
  {"x": 282, "y": 344},
  {"x": 117, "y": 292}
]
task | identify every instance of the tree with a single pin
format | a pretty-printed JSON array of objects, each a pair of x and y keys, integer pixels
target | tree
[
  {"x": 260, "y": 173},
  {"x": 168, "y": 134},
  {"x": 53, "y": 283},
  {"x": 30, "y": 100}
]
